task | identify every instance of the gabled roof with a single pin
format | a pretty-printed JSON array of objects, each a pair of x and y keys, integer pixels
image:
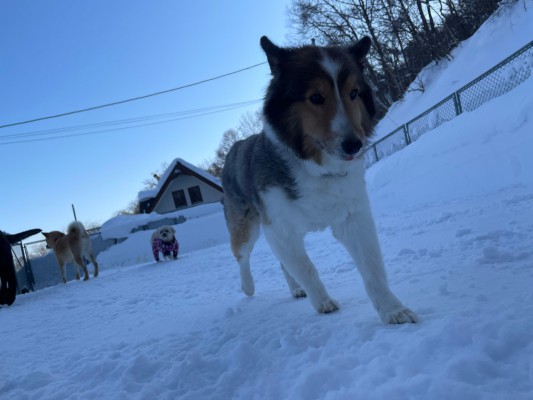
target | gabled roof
[{"x": 177, "y": 167}]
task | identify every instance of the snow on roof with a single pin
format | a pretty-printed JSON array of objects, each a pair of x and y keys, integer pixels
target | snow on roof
[
  {"x": 151, "y": 193},
  {"x": 199, "y": 171}
]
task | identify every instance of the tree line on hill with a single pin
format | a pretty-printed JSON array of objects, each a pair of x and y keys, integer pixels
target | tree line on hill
[{"x": 406, "y": 35}]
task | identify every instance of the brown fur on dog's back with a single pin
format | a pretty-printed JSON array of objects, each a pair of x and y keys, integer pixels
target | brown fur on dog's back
[{"x": 71, "y": 248}]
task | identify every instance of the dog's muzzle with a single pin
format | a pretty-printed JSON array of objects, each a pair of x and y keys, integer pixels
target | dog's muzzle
[{"x": 350, "y": 147}]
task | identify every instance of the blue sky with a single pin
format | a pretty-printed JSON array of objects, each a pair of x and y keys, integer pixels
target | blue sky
[{"x": 58, "y": 56}]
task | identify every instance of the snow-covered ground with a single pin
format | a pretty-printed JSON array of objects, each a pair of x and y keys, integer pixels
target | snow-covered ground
[{"x": 454, "y": 212}]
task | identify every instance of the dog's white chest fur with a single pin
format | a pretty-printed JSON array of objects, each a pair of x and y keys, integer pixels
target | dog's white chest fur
[{"x": 325, "y": 198}]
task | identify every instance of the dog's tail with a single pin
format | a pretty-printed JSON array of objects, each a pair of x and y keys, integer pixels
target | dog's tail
[
  {"x": 77, "y": 229},
  {"x": 17, "y": 237}
]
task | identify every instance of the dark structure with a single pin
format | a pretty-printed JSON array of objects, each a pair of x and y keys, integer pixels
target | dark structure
[{"x": 8, "y": 275}]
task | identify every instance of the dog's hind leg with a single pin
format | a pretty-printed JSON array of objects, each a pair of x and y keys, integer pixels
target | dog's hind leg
[
  {"x": 294, "y": 287},
  {"x": 79, "y": 260},
  {"x": 289, "y": 248},
  {"x": 244, "y": 231},
  {"x": 62, "y": 270},
  {"x": 93, "y": 260}
]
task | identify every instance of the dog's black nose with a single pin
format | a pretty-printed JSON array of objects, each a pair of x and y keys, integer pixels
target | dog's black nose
[{"x": 351, "y": 146}]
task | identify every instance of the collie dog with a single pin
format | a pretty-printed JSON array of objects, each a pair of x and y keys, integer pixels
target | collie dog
[
  {"x": 72, "y": 247},
  {"x": 305, "y": 172}
]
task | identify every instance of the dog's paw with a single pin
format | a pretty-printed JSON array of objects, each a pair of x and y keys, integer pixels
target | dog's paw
[
  {"x": 327, "y": 306},
  {"x": 248, "y": 291},
  {"x": 247, "y": 282},
  {"x": 401, "y": 316},
  {"x": 299, "y": 293},
  {"x": 248, "y": 287}
]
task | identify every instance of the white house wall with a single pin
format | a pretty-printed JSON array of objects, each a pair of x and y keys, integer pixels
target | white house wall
[{"x": 183, "y": 182}]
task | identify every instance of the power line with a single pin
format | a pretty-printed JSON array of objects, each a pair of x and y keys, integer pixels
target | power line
[
  {"x": 194, "y": 113},
  {"x": 231, "y": 107},
  {"x": 131, "y": 99}
]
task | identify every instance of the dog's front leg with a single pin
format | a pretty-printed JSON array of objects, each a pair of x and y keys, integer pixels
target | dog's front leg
[
  {"x": 358, "y": 234},
  {"x": 290, "y": 251}
]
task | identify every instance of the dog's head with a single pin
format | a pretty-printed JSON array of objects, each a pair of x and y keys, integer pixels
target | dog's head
[
  {"x": 165, "y": 233},
  {"x": 51, "y": 238},
  {"x": 318, "y": 102}
]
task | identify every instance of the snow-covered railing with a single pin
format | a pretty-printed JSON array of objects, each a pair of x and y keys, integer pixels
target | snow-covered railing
[{"x": 498, "y": 80}]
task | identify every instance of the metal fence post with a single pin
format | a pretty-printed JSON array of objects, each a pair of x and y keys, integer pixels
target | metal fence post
[
  {"x": 27, "y": 265},
  {"x": 457, "y": 103},
  {"x": 406, "y": 132}
]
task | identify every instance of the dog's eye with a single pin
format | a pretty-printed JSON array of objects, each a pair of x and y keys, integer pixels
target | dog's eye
[
  {"x": 353, "y": 94},
  {"x": 317, "y": 99}
]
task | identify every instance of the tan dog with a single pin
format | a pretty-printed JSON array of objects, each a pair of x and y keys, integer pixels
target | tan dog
[{"x": 71, "y": 248}]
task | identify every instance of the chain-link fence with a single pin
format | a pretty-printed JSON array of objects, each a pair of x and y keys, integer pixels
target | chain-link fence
[
  {"x": 23, "y": 270},
  {"x": 500, "y": 79}
]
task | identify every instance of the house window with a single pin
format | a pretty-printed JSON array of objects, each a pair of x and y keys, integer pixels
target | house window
[
  {"x": 195, "y": 195},
  {"x": 179, "y": 198}
]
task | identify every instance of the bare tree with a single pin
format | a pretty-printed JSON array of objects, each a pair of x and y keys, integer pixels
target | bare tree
[
  {"x": 132, "y": 209},
  {"x": 37, "y": 250},
  {"x": 406, "y": 35},
  {"x": 250, "y": 123},
  {"x": 152, "y": 182},
  {"x": 214, "y": 166}
]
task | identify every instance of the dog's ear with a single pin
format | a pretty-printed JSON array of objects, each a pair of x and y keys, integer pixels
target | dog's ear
[
  {"x": 275, "y": 55},
  {"x": 172, "y": 229},
  {"x": 45, "y": 234},
  {"x": 360, "y": 49}
]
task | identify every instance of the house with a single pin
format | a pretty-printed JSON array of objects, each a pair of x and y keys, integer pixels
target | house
[{"x": 181, "y": 186}]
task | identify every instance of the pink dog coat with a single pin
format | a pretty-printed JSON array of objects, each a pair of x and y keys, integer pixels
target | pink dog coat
[{"x": 165, "y": 247}]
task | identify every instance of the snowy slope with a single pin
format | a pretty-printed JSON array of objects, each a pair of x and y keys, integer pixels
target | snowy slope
[
  {"x": 454, "y": 215},
  {"x": 502, "y": 35}
]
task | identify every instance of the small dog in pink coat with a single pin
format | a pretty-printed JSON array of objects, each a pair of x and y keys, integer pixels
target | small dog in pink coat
[{"x": 164, "y": 242}]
